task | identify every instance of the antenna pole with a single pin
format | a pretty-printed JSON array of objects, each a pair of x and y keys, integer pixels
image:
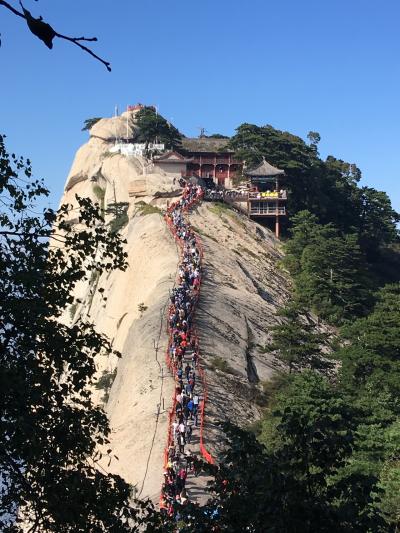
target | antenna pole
[{"x": 115, "y": 122}]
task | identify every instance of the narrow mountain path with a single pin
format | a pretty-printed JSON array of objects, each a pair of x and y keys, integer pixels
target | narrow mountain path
[
  {"x": 196, "y": 485},
  {"x": 185, "y": 441}
]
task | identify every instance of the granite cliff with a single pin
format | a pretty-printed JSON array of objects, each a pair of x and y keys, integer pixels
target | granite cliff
[{"x": 243, "y": 287}]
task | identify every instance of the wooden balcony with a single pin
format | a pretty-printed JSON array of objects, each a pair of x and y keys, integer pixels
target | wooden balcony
[
  {"x": 205, "y": 160},
  {"x": 263, "y": 209},
  {"x": 215, "y": 160}
]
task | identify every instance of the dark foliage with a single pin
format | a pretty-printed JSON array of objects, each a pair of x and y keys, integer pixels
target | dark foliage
[
  {"x": 329, "y": 269},
  {"x": 328, "y": 189},
  {"x": 296, "y": 341},
  {"x": 119, "y": 213},
  {"x": 152, "y": 126},
  {"x": 89, "y": 123},
  {"x": 51, "y": 434}
]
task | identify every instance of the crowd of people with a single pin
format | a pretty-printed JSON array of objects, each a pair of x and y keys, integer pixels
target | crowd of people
[
  {"x": 182, "y": 358},
  {"x": 215, "y": 195},
  {"x": 222, "y": 195}
]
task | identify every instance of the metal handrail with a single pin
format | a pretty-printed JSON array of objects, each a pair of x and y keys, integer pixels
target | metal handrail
[{"x": 264, "y": 210}]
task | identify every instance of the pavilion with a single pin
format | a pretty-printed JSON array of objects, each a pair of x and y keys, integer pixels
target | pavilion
[{"x": 267, "y": 198}]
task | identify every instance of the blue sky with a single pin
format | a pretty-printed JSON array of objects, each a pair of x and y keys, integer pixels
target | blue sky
[{"x": 330, "y": 66}]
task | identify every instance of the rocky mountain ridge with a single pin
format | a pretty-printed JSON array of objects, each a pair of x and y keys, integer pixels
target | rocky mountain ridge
[{"x": 243, "y": 287}]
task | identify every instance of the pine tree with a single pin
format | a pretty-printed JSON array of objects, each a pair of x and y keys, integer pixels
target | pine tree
[
  {"x": 296, "y": 341},
  {"x": 375, "y": 344},
  {"x": 304, "y": 231},
  {"x": 333, "y": 278},
  {"x": 153, "y": 126}
]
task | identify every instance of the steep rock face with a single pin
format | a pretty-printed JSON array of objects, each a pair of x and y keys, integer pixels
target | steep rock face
[
  {"x": 134, "y": 311},
  {"x": 142, "y": 389},
  {"x": 119, "y": 127},
  {"x": 109, "y": 177},
  {"x": 133, "y": 316},
  {"x": 243, "y": 287}
]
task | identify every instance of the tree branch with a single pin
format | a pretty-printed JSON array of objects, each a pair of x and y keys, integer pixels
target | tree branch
[
  {"x": 75, "y": 40},
  {"x": 34, "y": 499},
  {"x": 11, "y": 8},
  {"x": 46, "y": 33}
]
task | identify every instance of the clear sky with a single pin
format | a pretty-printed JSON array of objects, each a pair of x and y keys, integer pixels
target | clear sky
[{"x": 330, "y": 66}]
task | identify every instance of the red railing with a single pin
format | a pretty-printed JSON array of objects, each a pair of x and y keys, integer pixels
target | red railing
[{"x": 171, "y": 365}]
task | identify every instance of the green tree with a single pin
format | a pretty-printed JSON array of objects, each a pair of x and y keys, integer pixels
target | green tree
[
  {"x": 337, "y": 186},
  {"x": 377, "y": 220},
  {"x": 315, "y": 425},
  {"x": 119, "y": 212},
  {"x": 374, "y": 349},
  {"x": 390, "y": 500},
  {"x": 51, "y": 434},
  {"x": 296, "y": 341},
  {"x": 291, "y": 485},
  {"x": 329, "y": 269},
  {"x": 312, "y": 440},
  {"x": 389, "y": 480},
  {"x": 217, "y": 136},
  {"x": 314, "y": 137},
  {"x": 370, "y": 376},
  {"x": 304, "y": 231},
  {"x": 89, "y": 123},
  {"x": 334, "y": 279},
  {"x": 328, "y": 189},
  {"x": 153, "y": 126}
]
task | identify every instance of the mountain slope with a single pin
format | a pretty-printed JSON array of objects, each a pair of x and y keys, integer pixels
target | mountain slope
[{"x": 243, "y": 287}]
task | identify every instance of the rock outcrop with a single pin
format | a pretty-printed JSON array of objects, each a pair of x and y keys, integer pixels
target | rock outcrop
[
  {"x": 109, "y": 177},
  {"x": 243, "y": 287}
]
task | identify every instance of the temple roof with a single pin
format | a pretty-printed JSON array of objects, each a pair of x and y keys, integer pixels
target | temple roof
[
  {"x": 205, "y": 144},
  {"x": 171, "y": 157},
  {"x": 265, "y": 169}
]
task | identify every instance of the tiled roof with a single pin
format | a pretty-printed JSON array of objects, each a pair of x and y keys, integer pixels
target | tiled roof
[
  {"x": 171, "y": 157},
  {"x": 265, "y": 169},
  {"x": 205, "y": 144}
]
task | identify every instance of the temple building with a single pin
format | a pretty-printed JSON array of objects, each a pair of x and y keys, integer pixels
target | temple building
[
  {"x": 172, "y": 163},
  {"x": 211, "y": 159},
  {"x": 267, "y": 199}
]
